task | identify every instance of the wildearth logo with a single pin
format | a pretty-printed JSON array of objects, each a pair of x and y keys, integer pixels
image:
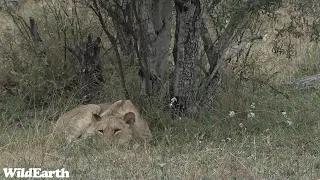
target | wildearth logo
[{"x": 34, "y": 173}]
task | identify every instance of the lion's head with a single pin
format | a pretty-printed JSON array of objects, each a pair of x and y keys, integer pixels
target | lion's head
[{"x": 120, "y": 123}]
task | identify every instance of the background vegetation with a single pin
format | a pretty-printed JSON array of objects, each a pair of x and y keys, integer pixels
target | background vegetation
[{"x": 260, "y": 125}]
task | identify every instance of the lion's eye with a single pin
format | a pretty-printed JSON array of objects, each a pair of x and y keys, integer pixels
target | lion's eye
[
  {"x": 100, "y": 132},
  {"x": 115, "y": 131}
]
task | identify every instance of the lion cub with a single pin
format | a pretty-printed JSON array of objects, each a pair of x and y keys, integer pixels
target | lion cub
[{"x": 117, "y": 123}]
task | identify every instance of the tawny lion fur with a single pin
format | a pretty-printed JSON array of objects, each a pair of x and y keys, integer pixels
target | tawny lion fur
[{"x": 117, "y": 123}]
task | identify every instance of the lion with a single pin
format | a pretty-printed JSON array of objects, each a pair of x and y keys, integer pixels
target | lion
[
  {"x": 117, "y": 123},
  {"x": 73, "y": 124}
]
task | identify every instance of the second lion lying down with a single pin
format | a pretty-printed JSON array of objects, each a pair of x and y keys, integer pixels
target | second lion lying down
[{"x": 118, "y": 123}]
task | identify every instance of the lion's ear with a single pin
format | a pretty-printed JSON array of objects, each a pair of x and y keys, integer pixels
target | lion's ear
[
  {"x": 129, "y": 118},
  {"x": 96, "y": 117}
]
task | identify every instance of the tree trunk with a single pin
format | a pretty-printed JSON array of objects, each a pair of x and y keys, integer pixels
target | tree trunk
[
  {"x": 186, "y": 53},
  {"x": 147, "y": 43},
  {"x": 162, "y": 20},
  {"x": 154, "y": 20}
]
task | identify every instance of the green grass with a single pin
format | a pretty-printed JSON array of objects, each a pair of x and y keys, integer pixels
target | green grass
[{"x": 213, "y": 146}]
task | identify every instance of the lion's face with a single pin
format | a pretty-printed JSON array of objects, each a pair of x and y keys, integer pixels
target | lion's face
[{"x": 115, "y": 129}]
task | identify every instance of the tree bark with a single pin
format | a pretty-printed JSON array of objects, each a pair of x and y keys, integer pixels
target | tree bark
[
  {"x": 143, "y": 12},
  {"x": 154, "y": 20},
  {"x": 162, "y": 21},
  {"x": 186, "y": 53}
]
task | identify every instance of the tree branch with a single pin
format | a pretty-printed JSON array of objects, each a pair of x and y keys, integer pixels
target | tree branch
[
  {"x": 113, "y": 41},
  {"x": 230, "y": 55}
]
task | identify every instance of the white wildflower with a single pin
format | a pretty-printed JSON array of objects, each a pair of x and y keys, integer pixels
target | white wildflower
[
  {"x": 173, "y": 100},
  {"x": 251, "y": 115},
  {"x": 241, "y": 125},
  {"x": 265, "y": 37},
  {"x": 232, "y": 113},
  {"x": 229, "y": 139},
  {"x": 136, "y": 146},
  {"x": 250, "y": 157},
  {"x": 253, "y": 105},
  {"x": 289, "y": 122},
  {"x": 162, "y": 164}
]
